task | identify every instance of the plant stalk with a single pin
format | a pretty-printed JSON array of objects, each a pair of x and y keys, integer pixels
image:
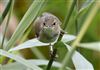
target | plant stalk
[
  {"x": 84, "y": 28},
  {"x": 53, "y": 55},
  {"x": 5, "y": 12},
  {"x": 61, "y": 35},
  {"x": 6, "y": 26},
  {"x": 65, "y": 23}
]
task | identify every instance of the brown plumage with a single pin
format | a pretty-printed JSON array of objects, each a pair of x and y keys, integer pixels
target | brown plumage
[{"x": 47, "y": 27}]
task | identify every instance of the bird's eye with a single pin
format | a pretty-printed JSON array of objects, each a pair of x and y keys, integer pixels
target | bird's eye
[
  {"x": 44, "y": 24},
  {"x": 54, "y": 23}
]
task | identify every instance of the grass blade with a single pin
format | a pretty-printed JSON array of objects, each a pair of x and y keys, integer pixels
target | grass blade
[
  {"x": 6, "y": 26},
  {"x": 28, "y": 44},
  {"x": 67, "y": 38},
  {"x": 93, "y": 46},
  {"x": 5, "y": 11},
  {"x": 79, "y": 61},
  {"x": 19, "y": 59},
  {"x": 25, "y": 22},
  {"x": 35, "y": 42},
  {"x": 85, "y": 6},
  {"x": 19, "y": 66},
  {"x": 87, "y": 22},
  {"x": 65, "y": 23}
]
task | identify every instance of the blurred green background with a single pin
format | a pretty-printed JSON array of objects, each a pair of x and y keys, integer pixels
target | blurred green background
[{"x": 60, "y": 9}]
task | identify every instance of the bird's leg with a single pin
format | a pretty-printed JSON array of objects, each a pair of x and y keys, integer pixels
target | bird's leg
[
  {"x": 53, "y": 52},
  {"x": 62, "y": 32},
  {"x": 51, "y": 49},
  {"x": 36, "y": 35}
]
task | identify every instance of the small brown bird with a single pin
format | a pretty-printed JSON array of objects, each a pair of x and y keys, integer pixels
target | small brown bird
[{"x": 47, "y": 27}]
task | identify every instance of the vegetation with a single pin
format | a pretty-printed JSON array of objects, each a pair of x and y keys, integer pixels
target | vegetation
[{"x": 77, "y": 49}]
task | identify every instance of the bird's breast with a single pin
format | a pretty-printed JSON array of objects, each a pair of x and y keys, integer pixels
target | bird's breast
[{"x": 48, "y": 35}]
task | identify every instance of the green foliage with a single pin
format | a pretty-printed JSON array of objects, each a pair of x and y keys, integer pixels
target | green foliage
[
  {"x": 75, "y": 14},
  {"x": 25, "y": 22},
  {"x": 19, "y": 59}
]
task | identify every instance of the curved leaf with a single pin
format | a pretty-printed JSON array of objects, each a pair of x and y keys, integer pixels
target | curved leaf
[
  {"x": 92, "y": 46},
  {"x": 30, "y": 43},
  {"x": 25, "y": 22},
  {"x": 3, "y": 15},
  {"x": 79, "y": 61},
  {"x": 35, "y": 42},
  {"x": 19, "y": 59},
  {"x": 1, "y": 37},
  {"x": 18, "y": 66},
  {"x": 85, "y": 5},
  {"x": 67, "y": 38}
]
